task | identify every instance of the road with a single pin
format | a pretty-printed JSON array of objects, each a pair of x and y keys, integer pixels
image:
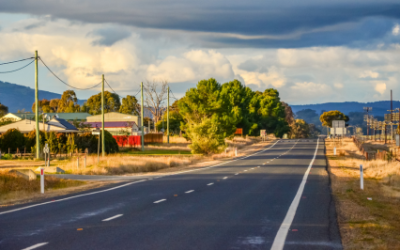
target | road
[{"x": 278, "y": 198}]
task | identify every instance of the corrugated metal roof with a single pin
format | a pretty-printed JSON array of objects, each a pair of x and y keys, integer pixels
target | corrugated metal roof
[
  {"x": 112, "y": 124},
  {"x": 65, "y": 116},
  {"x": 58, "y": 121}
]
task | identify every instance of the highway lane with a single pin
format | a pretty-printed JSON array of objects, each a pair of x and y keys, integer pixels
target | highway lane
[{"x": 238, "y": 205}]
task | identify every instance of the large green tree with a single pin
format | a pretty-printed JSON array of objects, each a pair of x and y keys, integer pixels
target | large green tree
[
  {"x": 44, "y": 106},
  {"x": 209, "y": 118},
  {"x": 175, "y": 120},
  {"x": 129, "y": 105},
  {"x": 111, "y": 103},
  {"x": 327, "y": 117}
]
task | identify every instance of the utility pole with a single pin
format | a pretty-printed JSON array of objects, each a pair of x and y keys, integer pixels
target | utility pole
[
  {"x": 141, "y": 118},
  {"x": 37, "y": 103},
  {"x": 103, "y": 144},
  {"x": 368, "y": 109},
  {"x": 168, "y": 117}
]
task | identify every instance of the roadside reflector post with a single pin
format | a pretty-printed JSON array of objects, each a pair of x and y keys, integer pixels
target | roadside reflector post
[
  {"x": 334, "y": 151},
  {"x": 361, "y": 177},
  {"x": 77, "y": 162},
  {"x": 42, "y": 180},
  {"x": 85, "y": 161},
  {"x": 235, "y": 151}
]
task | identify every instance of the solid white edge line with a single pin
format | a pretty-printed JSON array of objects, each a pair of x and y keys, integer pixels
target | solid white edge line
[
  {"x": 36, "y": 246},
  {"x": 70, "y": 198},
  {"x": 127, "y": 184},
  {"x": 160, "y": 200},
  {"x": 236, "y": 173},
  {"x": 280, "y": 238},
  {"x": 114, "y": 217},
  {"x": 190, "y": 191},
  {"x": 209, "y": 184},
  {"x": 225, "y": 178}
]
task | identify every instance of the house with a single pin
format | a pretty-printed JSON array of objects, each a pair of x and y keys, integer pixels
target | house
[
  {"x": 57, "y": 125},
  {"x": 115, "y": 123},
  {"x": 30, "y": 116},
  {"x": 114, "y": 117}
]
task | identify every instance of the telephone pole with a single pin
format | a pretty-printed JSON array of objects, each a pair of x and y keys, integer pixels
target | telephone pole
[
  {"x": 37, "y": 104},
  {"x": 368, "y": 109},
  {"x": 103, "y": 144},
  {"x": 168, "y": 117},
  {"x": 141, "y": 118}
]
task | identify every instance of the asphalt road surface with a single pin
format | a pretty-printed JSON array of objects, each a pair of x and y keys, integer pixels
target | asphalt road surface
[{"x": 278, "y": 198}]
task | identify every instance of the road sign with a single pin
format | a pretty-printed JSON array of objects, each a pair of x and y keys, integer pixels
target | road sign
[
  {"x": 338, "y": 124},
  {"x": 46, "y": 149},
  {"x": 262, "y": 132},
  {"x": 96, "y": 132},
  {"x": 239, "y": 131}
]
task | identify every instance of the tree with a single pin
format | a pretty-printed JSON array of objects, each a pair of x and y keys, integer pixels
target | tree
[
  {"x": 30, "y": 139},
  {"x": 111, "y": 103},
  {"x": 54, "y": 103},
  {"x": 175, "y": 120},
  {"x": 299, "y": 129},
  {"x": 327, "y": 117},
  {"x": 129, "y": 105},
  {"x": 68, "y": 102},
  {"x": 44, "y": 106},
  {"x": 12, "y": 139},
  {"x": 155, "y": 97},
  {"x": 3, "y": 110},
  {"x": 209, "y": 118}
]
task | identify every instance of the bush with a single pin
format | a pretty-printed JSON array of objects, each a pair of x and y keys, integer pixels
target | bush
[
  {"x": 87, "y": 141},
  {"x": 7, "y": 157},
  {"x": 111, "y": 143},
  {"x": 30, "y": 139},
  {"x": 12, "y": 139}
]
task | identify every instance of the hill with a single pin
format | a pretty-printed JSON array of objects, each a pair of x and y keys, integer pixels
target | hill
[
  {"x": 17, "y": 97},
  {"x": 379, "y": 108}
]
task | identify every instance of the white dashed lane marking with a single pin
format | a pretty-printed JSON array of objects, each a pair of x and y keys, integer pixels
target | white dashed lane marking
[
  {"x": 209, "y": 184},
  {"x": 190, "y": 191},
  {"x": 114, "y": 217},
  {"x": 160, "y": 200},
  {"x": 36, "y": 246},
  {"x": 225, "y": 178}
]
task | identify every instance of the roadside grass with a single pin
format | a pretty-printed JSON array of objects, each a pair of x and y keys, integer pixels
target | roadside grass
[
  {"x": 14, "y": 187},
  {"x": 364, "y": 223},
  {"x": 159, "y": 152}
]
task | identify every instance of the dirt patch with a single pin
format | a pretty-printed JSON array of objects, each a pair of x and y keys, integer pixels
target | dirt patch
[{"x": 369, "y": 218}]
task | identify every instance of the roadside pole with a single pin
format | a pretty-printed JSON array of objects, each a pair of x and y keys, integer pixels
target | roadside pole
[
  {"x": 168, "y": 117},
  {"x": 361, "y": 177},
  {"x": 37, "y": 104},
  {"x": 102, "y": 118},
  {"x": 141, "y": 118},
  {"x": 42, "y": 180}
]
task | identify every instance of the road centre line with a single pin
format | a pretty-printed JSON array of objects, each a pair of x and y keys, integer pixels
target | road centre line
[
  {"x": 190, "y": 191},
  {"x": 130, "y": 183},
  {"x": 225, "y": 178},
  {"x": 36, "y": 246},
  {"x": 114, "y": 217},
  {"x": 280, "y": 238},
  {"x": 160, "y": 200},
  {"x": 209, "y": 184},
  {"x": 236, "y": 173}
]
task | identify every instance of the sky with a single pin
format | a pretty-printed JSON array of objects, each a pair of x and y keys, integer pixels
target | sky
[{"x": 310, "y": 51}]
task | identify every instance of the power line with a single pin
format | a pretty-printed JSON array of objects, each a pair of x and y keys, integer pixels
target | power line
[
  {"x": 17, "y": 61},
  {"x": 116, "y": 92},
  {"x": 15, "y": 70},
  {"x": 65, "y": 82},
  {"x": 173, "y": 96}
]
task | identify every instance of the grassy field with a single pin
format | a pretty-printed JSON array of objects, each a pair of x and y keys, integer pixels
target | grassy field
[
  {"x": 369, "y": 218},
  {"x": 13, "y": 187}
]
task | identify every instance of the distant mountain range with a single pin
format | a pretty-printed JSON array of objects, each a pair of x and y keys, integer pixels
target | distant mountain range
[
  {"x": 379, "y": 108},
  {"x": 17, "y": 97}
]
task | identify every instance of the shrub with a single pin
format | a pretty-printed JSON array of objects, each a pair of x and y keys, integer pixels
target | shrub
[
  {"x": 12, "y": 139},
  {"x": 30, "y": 139}
]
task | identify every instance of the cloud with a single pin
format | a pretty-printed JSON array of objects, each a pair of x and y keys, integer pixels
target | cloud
[
  {"x": 338, "y": 85},
  {"x": 109, "y": 36},
  {"x": 369, "y": 74},
  {"x": 261, "y": 24},
  {"x": 381, "y": 88},
  {"x": 396, "y": 30}
]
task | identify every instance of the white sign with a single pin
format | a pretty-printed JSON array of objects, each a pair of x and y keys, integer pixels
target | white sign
[
  {"x": 94, "y": 132},
  {"x": 338, "y": 124},
  {"x": 262, "y": 132}
]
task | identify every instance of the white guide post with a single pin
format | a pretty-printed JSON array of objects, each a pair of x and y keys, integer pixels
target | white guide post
[
  {"x": 361, "y": 177},
  {"x": 334, "y": 151},
  {"x": 42, "y": 180}
]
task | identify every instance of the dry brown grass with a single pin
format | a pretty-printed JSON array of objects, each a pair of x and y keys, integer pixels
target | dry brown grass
[
  {"x": 123, "y": 164},
  {"x": 14, "y": 187},
  {"x": 175, "y": 139},
  {"x": 365, "y": 224}
]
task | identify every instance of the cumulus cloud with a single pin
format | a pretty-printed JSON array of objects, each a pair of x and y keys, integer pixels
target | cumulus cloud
[
  {"x": 338, "y": 85},
  {"x": 380, "y": 88}
]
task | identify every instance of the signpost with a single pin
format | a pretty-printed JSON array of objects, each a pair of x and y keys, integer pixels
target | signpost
[
  {"x": 263, "y": 134},
  {"x": 46, "y": 152},
  {"x": 338, "y": 124}
]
